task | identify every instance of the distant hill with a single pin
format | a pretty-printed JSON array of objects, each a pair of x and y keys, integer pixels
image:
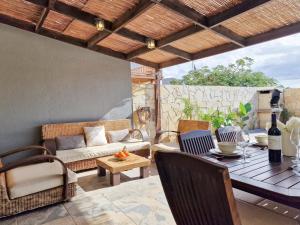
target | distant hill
[{"x": 167, "y": 80}]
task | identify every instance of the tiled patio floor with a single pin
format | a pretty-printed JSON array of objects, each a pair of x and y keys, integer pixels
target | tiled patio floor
[{"x": 140, "y": 202}]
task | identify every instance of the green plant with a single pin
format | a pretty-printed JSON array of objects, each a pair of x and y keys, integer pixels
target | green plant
[
  {"x": 219, "y": 119},
  {"x": 188, "y": 108},
  {"x": 242, "y": 114},
  {"x": 239, "y": 73}
]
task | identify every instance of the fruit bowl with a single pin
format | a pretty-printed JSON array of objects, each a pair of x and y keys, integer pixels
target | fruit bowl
[{"x": 121, "y": 155}]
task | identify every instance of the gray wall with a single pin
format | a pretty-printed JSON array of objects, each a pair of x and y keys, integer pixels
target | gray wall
[{"x": 47, "y": 81}]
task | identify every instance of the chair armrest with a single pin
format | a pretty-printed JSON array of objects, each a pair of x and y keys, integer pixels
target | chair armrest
[
  {"x": 27, "y": 148},
  {"x": 144, "y": 135},
  {"x": 160, "y": 133},
  {"x": 50, "y": 144},
  {"x": 40, "y": 159}
]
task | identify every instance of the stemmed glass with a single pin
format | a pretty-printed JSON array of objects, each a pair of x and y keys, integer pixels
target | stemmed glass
[
  {"x": 295, "y": 140},
  {"x": 243, "y": 141}
]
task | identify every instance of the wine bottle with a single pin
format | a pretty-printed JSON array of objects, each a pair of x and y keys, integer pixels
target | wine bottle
[{"x": 274, "y": 141}]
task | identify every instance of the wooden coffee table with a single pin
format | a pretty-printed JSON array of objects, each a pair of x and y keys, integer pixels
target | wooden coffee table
[{"x": 115, "y": 166}]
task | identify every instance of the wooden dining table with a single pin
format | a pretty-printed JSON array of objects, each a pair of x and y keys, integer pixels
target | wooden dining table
[{"x": 274, "y": 181}]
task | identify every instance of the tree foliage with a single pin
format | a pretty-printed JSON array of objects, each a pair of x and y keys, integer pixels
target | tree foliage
[{"x": 239, "y": 73}]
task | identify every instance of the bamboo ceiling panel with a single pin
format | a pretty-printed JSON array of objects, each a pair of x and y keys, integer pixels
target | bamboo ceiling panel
[
  {"x": 109, "y": 9},
  {"x": 77, "y": 3},
  {"x": 57, "y": 22},
  {"x": 119, "y": 43},
  {"x": 21, "y": 10},
  {"x": 210, "y": 7},
  {"x": 158, "y": 56},
  {"x": 200, "y": 41},
  {"x": 80, "y": 30},
  {"x": 272, "y": 15},
  {"x": 158, "y": 22}
]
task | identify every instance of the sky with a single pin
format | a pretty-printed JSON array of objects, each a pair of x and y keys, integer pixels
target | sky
[{"x": 279, "y": 59}]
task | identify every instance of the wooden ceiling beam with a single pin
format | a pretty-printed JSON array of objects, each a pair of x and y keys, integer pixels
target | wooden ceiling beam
[
  {"x": 64, "y": 38},
  {"x": 166, "y": 41},
  {"x": 88, "y": 18},
  {"x": 44, "y": 15},
  {"x": 121, "y": 22},
  {"x": 184, "y": 10},
  {"x": 267, "y": 36},
  {"x": 132, "y": 14},
  {"x": 137, "y": 52},
  {"x": 200, "y": 20},
  {"x": 243, "y": 7},
  {"x": 145, "y": 63},
  {"x": 178, "y": 35},
  {"x": 214, "y": 51},
  {"x": 175, "y": 51},
  {"x": 273, "y": 34},
  {"x": 171, "y": 63},
  {"x": 229, "y": 34}
]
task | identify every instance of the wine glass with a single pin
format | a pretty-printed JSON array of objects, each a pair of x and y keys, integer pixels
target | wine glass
[
  {"x": 243, "y": 141},
  {"x": 295, "y": 140}
]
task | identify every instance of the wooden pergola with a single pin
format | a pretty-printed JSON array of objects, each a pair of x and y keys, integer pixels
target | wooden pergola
[{"x": 183, "y": 30}]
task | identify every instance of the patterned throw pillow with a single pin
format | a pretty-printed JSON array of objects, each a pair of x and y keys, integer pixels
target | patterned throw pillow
[
  {"x": 70, "y": 142},
  {"x": 118, "y": 135},
  {"x": 95, "y": 136}
]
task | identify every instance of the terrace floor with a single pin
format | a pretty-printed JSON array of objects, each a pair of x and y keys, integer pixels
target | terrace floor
[{"x": 135, "y": 201}]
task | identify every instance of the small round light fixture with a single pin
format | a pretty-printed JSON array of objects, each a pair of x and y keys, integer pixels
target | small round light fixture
[
  {"x": 100, "y": 26},
  {"x": 151, "y": 44}
]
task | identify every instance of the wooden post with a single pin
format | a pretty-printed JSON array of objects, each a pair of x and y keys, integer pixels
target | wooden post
[{"x": 158, "y": 78}]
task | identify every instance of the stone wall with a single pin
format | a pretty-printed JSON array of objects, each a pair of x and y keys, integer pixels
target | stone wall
[
  {"x": 292, "y": 100},
  {"x": 206, "y": 98}
]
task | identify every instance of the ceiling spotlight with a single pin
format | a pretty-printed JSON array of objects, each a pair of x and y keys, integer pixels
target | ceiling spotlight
[
  {"x": 151, "y": 44},
  {"x": 100, "y": 26}
]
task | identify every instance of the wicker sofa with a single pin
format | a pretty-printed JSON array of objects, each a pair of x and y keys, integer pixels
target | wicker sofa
[
  {"x": 84, "y": 158},
  {"x": 33, "y": 182}
]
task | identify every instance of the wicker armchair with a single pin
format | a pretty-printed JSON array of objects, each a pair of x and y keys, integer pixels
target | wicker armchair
[{"x": 33, "y": 182}]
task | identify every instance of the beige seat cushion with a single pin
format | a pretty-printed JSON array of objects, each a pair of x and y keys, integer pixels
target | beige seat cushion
[
  {"x": 99, "y": 151},
  {"x": 254, "y": 215},
  {"x": 165, "y": 147},
  {"x": 34, "y": 178}
]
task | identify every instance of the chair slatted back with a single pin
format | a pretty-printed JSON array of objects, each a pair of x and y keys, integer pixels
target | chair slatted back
[
  {"x": 228, "y": 134},
  {"x": 199, "y": 192},
  {"x": 196, "y": 142}
]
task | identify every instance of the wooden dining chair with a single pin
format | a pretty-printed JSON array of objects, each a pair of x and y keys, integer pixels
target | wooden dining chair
[
  {"x": 228, "y": 134},
  {"x": 198, "y": 191},
  {"x": 196, "y": 142}
]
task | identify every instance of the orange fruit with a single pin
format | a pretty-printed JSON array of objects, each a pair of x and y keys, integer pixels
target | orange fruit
[{"x": 122, "y": 155}]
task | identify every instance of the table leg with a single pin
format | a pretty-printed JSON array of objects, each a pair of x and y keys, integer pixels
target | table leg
[
  {"x": 115, "y": 179},
  {"x": 144, "y": 172},
  {"x": 101, "y": 172}
]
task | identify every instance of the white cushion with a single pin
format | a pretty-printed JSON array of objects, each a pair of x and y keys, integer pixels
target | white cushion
[
  {"x": 95, "y": 136},
  {"x": 165, "y": 147},
  {"x": 117, "y": 135},
  {"x": 34, "y": 178},
  {"x": 99, "y": 151},
  {"x": 254, "y": 215}
]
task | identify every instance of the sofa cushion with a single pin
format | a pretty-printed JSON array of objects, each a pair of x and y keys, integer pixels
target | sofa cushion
[
  {"x": 117, "y": 135},
  {"x": 165, "y": 147},
  {"x": 70, "y": 142},
  {"x": 95, "y": 136},
  {"x": 99, "y": 151},
  {"x": 34, "y": 178}
]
